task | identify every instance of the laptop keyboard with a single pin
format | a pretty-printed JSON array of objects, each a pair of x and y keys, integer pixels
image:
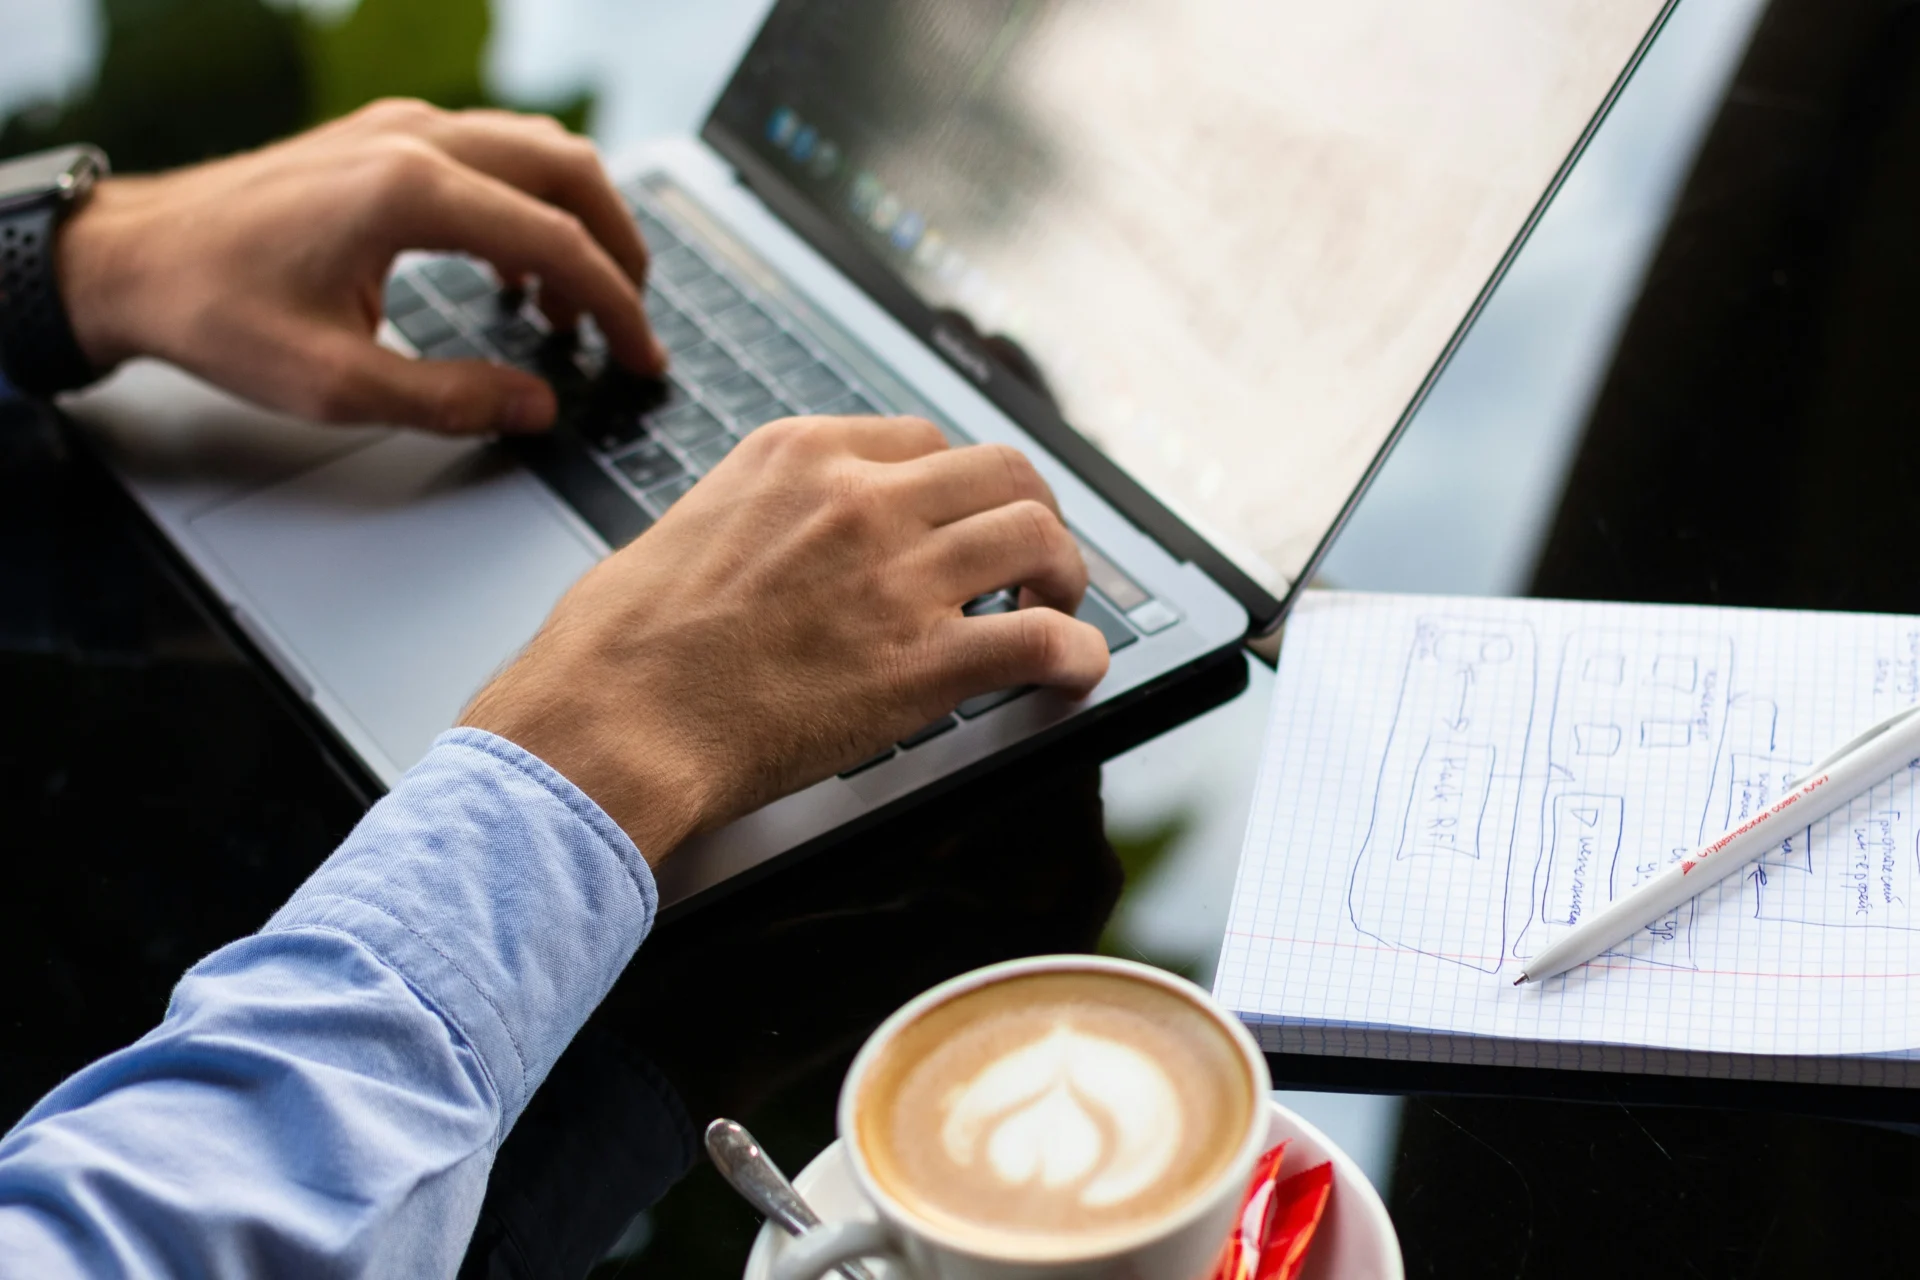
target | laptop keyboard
[{"x": 739, "y": 360}]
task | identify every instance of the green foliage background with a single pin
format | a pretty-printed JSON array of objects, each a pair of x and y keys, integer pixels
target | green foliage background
[{"x": 182, "y": 80}]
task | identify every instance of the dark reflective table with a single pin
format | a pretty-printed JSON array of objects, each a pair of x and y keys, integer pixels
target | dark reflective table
[{"x": 1751, "y": 442}]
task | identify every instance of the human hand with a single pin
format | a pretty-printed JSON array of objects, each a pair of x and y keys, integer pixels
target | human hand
[
  {"x": 798, "y": 609},
  {"x": 263, "y": 273}
]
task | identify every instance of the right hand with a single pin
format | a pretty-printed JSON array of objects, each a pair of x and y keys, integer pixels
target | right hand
[{"x": 796, "y": 611}]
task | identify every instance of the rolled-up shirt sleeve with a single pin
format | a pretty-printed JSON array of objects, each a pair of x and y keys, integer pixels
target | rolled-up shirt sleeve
[{"x": 325, "y": 1097}]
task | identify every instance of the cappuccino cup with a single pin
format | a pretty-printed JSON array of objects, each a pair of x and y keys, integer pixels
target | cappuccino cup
[{"x": 1064, "y": 1116}]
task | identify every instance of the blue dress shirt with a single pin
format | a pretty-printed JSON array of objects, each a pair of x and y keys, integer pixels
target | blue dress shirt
[{"x": 325, "y": 1098}]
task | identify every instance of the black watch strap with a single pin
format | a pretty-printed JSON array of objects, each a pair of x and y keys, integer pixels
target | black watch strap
[{"x": 38, "y": 351}]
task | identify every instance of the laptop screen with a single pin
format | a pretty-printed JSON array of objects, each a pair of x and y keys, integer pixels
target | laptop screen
[{"x": 1232, "y": 238}]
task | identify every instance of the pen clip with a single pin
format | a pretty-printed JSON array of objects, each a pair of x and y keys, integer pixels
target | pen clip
[{"x": 1859, "y": 741}]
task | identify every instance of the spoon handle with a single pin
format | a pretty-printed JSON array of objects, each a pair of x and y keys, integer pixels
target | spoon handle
[{"x": 749, "y": 1170}]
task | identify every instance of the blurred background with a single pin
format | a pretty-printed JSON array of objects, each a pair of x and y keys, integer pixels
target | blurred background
[{"x": 166, "y": 82}]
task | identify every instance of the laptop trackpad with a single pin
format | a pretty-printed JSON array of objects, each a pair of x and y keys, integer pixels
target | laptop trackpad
[{"x": 400, "y": 577}]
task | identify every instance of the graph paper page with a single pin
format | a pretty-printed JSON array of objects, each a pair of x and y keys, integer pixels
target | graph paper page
[{"x": 1449, "y": 785}]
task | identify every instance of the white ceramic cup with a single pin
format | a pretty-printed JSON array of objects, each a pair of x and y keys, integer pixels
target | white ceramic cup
[{"x": 1185, "y": 1245}]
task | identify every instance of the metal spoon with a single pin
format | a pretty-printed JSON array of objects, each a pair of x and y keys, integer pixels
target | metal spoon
[{"x": 750, "y": 1171}]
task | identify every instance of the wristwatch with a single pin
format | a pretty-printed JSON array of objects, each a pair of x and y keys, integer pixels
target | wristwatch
[{"x": 38, "y": 352}]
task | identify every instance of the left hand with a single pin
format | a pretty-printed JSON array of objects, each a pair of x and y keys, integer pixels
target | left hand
[{"x": 263, "y": 273}]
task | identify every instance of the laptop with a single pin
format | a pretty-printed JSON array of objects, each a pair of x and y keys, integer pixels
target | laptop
[{"x": 1199, "y": 259}]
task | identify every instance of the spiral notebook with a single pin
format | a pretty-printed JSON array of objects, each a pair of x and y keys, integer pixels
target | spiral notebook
[{"x": 1450, "y": 784}]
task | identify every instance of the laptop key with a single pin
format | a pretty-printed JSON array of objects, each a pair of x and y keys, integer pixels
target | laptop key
[
  {"x": 1122, "y": 592},
  {"x": 675, "y": 329},
  {"x": 760, "y": 415},
  {"x": 662, "y": 496},
  {"x": 615, "y": 431},
  {"x": 402, "y": 299},
  {"x": 739, "y": 393},
  {"x": 658, "y": 235},
  {"x": 687, "y": 425},
  {"x": 869, "y": 762},
  {"x": 814, "y": 385},
  {"x": 457, "y": 279},
  {"x": 455, "y": 348},
  {"x": 707, "y": 456},
  {"x": 712, "y": 293},
  {"x": 1118, "y": 634},
  {"x": 992, "y": 602},
  {"x": 778, "y": 355},
  {"x": 425, "y": 328},
  {"x": 980, "y": 704},
  {"x": 849, "y": 406},
  {"x": 704, "y": 364},
  {"x": 745, "y": 324},
  {"x": 1153, "y": 617},
  {"x": 929, "y": 733},
  {"x": 680, "y": 265},
  {"x": 648, "y": 463}
]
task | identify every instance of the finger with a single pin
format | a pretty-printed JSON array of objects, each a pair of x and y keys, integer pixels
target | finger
[
  {"x": 355, "y": 380},
  {"x": 447, "y": 206},
  {"x": 885, "y": 439},
  {"x": 1002, "y": 651},
  {"x": 539, "y": 156},
  {"x": 1020, "y": 544},
  {"x": 560, "y": 309},
  {"x": 956, "y": 483}
]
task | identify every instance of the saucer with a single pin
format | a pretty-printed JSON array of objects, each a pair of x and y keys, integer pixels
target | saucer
[{"x": 1356, "y": 1240}]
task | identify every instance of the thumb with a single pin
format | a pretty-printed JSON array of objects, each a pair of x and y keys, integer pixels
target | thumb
[{"x": 370, "y": 383}]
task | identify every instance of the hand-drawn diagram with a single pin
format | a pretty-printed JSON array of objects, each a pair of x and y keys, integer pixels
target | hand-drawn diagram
[
  {"x": 1872, "y": 865},
  {"x": 1448, "y": 802},
  {"x": 1489, "y": 840},
  {"x": 1625, "y": 703}
]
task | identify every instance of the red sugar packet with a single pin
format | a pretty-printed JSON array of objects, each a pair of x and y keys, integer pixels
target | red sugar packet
[
  {"x": 1277, "y": 1221},
  {"x": 1294, "y": 1215}
]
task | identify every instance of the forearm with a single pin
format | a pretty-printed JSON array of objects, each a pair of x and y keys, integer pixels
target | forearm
[{"x": 326, "y": 1096}]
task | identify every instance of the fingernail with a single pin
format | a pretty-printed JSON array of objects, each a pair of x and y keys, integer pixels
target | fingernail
[{"x": 529, "y": 411}]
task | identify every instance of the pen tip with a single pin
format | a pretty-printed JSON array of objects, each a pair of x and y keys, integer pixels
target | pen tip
[{"x": 1520, "y": 981}]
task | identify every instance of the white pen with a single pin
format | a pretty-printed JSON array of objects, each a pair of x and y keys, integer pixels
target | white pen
[{"x": 1832, "y": 784}]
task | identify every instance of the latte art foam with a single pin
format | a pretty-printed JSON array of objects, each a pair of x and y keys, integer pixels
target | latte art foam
[
  {"x": 1073, "y": 1112},
  {"x": 1054, "y": 1111}
]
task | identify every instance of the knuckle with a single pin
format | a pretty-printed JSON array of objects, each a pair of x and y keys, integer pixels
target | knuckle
[
  {"x": 848, "y": 499},
  {"x": 403, "y": 164},
  {"x": 924, "y": 433},
  {"x": 773, "y": 439},
  {"x": 567, "y": 228},
  {"x": 1018, "y": 468},
  {"x": 1036, "y": 525},
  {"x": 399, "y": 113}
]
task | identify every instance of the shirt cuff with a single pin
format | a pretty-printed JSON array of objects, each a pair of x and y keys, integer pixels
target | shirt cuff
[{"x": 503, "y": 896}]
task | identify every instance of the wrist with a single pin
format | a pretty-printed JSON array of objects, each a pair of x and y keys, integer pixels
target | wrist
[
  {"x": 654, "y": 792},
  {"x": 96, "y": 264}
]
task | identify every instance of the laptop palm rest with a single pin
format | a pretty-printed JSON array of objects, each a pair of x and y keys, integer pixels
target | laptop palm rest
[{"x": 398, "y": 578}]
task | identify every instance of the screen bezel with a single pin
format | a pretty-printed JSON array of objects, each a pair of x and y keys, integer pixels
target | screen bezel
[{"x": 1039, "y": 418}]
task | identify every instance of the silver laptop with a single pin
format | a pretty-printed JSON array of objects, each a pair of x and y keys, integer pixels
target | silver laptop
[{"x": 1200, "y": 259}]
